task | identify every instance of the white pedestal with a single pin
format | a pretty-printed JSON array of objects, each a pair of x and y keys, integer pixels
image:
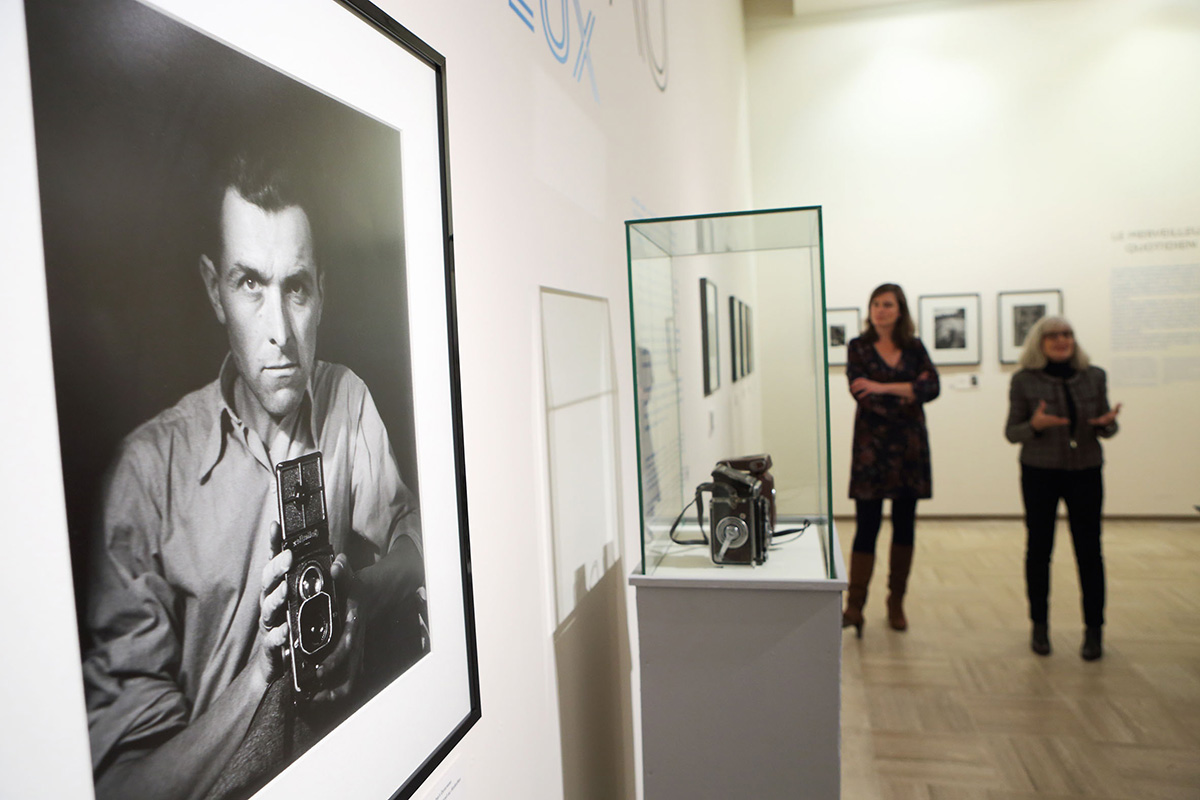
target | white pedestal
[{"x": 741, "y": 677}]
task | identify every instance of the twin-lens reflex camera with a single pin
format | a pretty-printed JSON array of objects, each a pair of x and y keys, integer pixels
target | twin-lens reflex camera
[
  {"x": 741, "y": 510},
  {"x": 314, "y": 617}
]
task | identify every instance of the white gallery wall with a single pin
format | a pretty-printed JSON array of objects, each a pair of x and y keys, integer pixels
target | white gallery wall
[
  {"x": 976, "y": 147},
  {"x": 545, "y": 168},
  {"x": 639, "y": 110}
]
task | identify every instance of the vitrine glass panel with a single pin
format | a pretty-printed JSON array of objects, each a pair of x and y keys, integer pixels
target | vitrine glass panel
[{"x": 767, "y": 267}]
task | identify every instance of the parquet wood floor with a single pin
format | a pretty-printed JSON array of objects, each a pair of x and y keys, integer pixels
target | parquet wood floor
[{"x": 959, "y": 708}]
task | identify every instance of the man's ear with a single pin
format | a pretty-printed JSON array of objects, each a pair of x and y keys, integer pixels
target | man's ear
[
  {"x": 320, "y": 293},
  {"x": 208, "y": 274}
]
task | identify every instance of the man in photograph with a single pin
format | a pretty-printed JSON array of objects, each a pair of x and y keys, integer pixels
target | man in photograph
[{"x": 187, "y": 677}]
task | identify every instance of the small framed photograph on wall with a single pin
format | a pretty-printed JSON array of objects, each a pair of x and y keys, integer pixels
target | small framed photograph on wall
[
  {"x": 949, "y": 327},
  {"x": 841, "y": 325},
  {"x": 748, "y": 333},
  {"x": 1018, "y": 312},
  {"x": 745, "y": 355},
  {"x": 735, "y": 339},
  {"x": 708, "y": 337}
]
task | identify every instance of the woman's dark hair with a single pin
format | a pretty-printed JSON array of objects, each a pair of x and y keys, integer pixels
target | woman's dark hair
[{"x": 904, "y": 331}]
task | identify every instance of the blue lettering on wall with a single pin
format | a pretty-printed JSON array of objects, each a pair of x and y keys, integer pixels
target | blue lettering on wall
[
  {"x": 559, "y": 47},
  {"x": 584, "y": 59},
  {"x": 558, "y": 21},
  {"x": 557, "y": 26},
  {"x": 523, "y": 11}
]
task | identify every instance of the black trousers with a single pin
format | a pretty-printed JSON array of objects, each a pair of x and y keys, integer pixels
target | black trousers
[
  {"x": 869, "y": 515},
  {"x": 1083, "y": 491}
]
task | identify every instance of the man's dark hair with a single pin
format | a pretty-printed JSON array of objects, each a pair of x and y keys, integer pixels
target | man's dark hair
[
  {"x": 269, "y": 178},
  {"x": 269, "y": 183},
  {"x": 904, "y": 331}
]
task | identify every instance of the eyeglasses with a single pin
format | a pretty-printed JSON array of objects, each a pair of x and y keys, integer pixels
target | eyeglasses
[{"x": 1058, "y": 335}]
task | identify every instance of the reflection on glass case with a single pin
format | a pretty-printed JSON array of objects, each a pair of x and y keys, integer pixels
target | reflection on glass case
[{"x": 730, "y": 478}]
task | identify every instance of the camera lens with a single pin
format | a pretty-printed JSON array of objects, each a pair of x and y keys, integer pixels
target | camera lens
[
  {"x": 316, "y": 623},
  {"x": 311, "y": 582}
]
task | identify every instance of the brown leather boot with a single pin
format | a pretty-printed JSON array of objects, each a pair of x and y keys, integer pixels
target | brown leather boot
[
  {"x": 861, "y": 567},
  {"x": 901, "y": 563}
]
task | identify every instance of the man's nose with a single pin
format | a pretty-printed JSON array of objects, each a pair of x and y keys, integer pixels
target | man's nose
[{"x": 277, "y": 319}]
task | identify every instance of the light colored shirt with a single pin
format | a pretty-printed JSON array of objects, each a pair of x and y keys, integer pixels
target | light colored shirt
[{"x": 185, "y": 533}]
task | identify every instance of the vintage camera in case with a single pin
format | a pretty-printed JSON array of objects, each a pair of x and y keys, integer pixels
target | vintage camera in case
[
  {"x": 739, "y": 515},
  {"x": 314, "y": 617},
  {"x": 760, "y": 467}
]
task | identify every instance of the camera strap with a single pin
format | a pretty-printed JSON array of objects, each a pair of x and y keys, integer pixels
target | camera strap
[
  {"x": 699, "y": 503},
  {"x": 716, "y": 488}
]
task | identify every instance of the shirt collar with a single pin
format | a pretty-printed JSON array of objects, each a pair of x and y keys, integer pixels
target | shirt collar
[{"x": 228, "y": 422}]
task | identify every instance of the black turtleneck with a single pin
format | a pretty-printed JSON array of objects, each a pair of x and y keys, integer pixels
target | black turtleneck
[{"x": 1064, "y": 370}]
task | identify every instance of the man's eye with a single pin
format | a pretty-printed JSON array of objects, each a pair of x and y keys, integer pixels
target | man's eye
[
  {"x": 298, "y": 291},
  {"x": 248, "y": 283}
]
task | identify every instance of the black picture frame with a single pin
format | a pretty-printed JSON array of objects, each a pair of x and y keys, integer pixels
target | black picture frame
[
  {"x": 1016, "y": 313},
  {"x": 710, "y": 340},
  {"x": 735, "y": 340},
  {"x": 841, "y": 325},
  {"x": 166, "y": 95},
  {"x": 741, "y": 329},
  {"x": 950, "y": 328},
  {"x": 748, "y": 337}
]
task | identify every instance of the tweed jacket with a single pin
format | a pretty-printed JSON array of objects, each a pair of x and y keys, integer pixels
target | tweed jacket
[{"x": 1059, "y": 447}]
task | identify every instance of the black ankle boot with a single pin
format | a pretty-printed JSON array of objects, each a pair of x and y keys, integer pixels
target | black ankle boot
[
  {"x": 1092, "y": 648},
  {"x": 1039, "y": 642}
]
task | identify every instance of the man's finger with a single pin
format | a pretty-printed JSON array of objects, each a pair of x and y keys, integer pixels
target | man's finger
[
  {"x": 276, "y": 637},
  {"x": 345, "y": 644},
  {"x": 274, "y": 570},
  {"x": 273, "y": 604},
  {"x": 340, "y": 565}
]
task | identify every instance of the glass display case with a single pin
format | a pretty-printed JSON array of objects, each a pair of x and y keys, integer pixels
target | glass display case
[{"x": 729, "y": 351}]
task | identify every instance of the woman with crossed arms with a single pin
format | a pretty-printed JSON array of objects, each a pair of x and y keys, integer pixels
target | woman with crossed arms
[{"x": 891, "y": 377}]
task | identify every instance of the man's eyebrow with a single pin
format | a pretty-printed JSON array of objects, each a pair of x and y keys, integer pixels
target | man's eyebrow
[{"x": 238, "y": 270}]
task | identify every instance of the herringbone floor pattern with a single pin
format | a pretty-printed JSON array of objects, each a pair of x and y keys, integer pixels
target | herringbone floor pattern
[{"x": 959, "y": 708}]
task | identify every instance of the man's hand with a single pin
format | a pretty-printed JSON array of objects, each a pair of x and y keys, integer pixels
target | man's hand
[
  {"x": 272, "y": 608},
  {"x": 339, "y": 670},
  {"x": 1040, "y": 420},
  {"x": 1104, "y": 420}
]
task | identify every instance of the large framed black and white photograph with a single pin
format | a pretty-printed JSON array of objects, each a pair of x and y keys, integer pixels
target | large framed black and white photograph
[
  {"x": 709, "y": 339},
  {"x": 950, "y": 329},
  {"x": 238, "y": 218},
  {"x": 841, "y": 325},
  {"x": 1018, "y": 312}
]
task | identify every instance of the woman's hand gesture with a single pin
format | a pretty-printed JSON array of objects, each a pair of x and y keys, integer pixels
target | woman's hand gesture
[
  {"x": 1040, "y": 420},
  {"x": 1104, "y": 420}
]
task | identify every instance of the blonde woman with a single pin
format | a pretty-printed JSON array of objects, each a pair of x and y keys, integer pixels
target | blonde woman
[{"x": 1058, "y": 412}]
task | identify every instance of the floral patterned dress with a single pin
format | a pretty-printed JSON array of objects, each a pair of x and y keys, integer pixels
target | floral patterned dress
[{"x": 890, "y": 455}]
